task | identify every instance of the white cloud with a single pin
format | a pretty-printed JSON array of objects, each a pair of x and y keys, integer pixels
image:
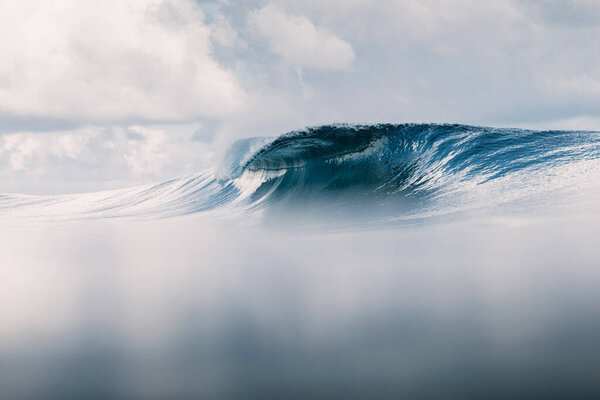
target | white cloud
[
  {"x": 111, "y": 60},
  {"x": 145, "y": 153},
  {"x": 484, "y": 62},
  {"x": 20, "y": 149},
  {"x": 299, "y": 42},
  {"x": 94, "y": 158}
]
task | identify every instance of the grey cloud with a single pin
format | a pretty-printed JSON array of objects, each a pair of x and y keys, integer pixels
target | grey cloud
[
  {"x": 14, "y": 123},
  {"x": 574, "y": 13}
]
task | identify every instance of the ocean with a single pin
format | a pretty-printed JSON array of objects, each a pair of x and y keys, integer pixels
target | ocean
[{"x": 427, "y": 261}]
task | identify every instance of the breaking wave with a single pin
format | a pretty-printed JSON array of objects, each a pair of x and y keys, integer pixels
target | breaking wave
[{"x": 396, "y": 172}]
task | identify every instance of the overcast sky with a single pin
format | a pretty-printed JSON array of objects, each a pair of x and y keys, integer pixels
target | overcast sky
[{"x": 105, "y": 94}]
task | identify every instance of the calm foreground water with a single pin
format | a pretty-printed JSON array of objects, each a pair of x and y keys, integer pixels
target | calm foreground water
[{"x": 186, "y": 309}]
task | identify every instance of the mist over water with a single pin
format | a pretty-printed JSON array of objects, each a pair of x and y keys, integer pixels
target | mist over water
[{"x": 414, "y": 261}]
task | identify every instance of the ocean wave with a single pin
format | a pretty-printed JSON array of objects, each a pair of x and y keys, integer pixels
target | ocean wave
[{"x": 400, "y": 170}]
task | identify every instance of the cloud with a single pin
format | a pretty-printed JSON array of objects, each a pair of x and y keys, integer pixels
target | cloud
[
  {"x": 78, "y": 78},
  {"x": 583, "y": 85},
  {"x": 396, "y": 20},
  {"x": 97, "y": 157},
  {"x": 576, "y": 13},
  {"x": 19, "y": 150},
  {"x": 299, "y": 42},
  {"x": 222, "y": 32},
  {"x": 145, "y": 150},
  {"x": 466, "y": 61},
  {"x": 111, "y": 60}
]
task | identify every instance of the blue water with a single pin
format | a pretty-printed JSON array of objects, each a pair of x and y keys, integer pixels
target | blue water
[{"x": 357, "y": 172}]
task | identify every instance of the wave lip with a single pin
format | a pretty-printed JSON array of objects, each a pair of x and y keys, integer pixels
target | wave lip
[{"x": 339, "y": 166}]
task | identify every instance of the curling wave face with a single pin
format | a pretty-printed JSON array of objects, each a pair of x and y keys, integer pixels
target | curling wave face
[{"x": 390, "y": 172}]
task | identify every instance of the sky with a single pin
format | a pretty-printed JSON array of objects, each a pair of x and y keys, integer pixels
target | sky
[{"x": 100, "y": 95}]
